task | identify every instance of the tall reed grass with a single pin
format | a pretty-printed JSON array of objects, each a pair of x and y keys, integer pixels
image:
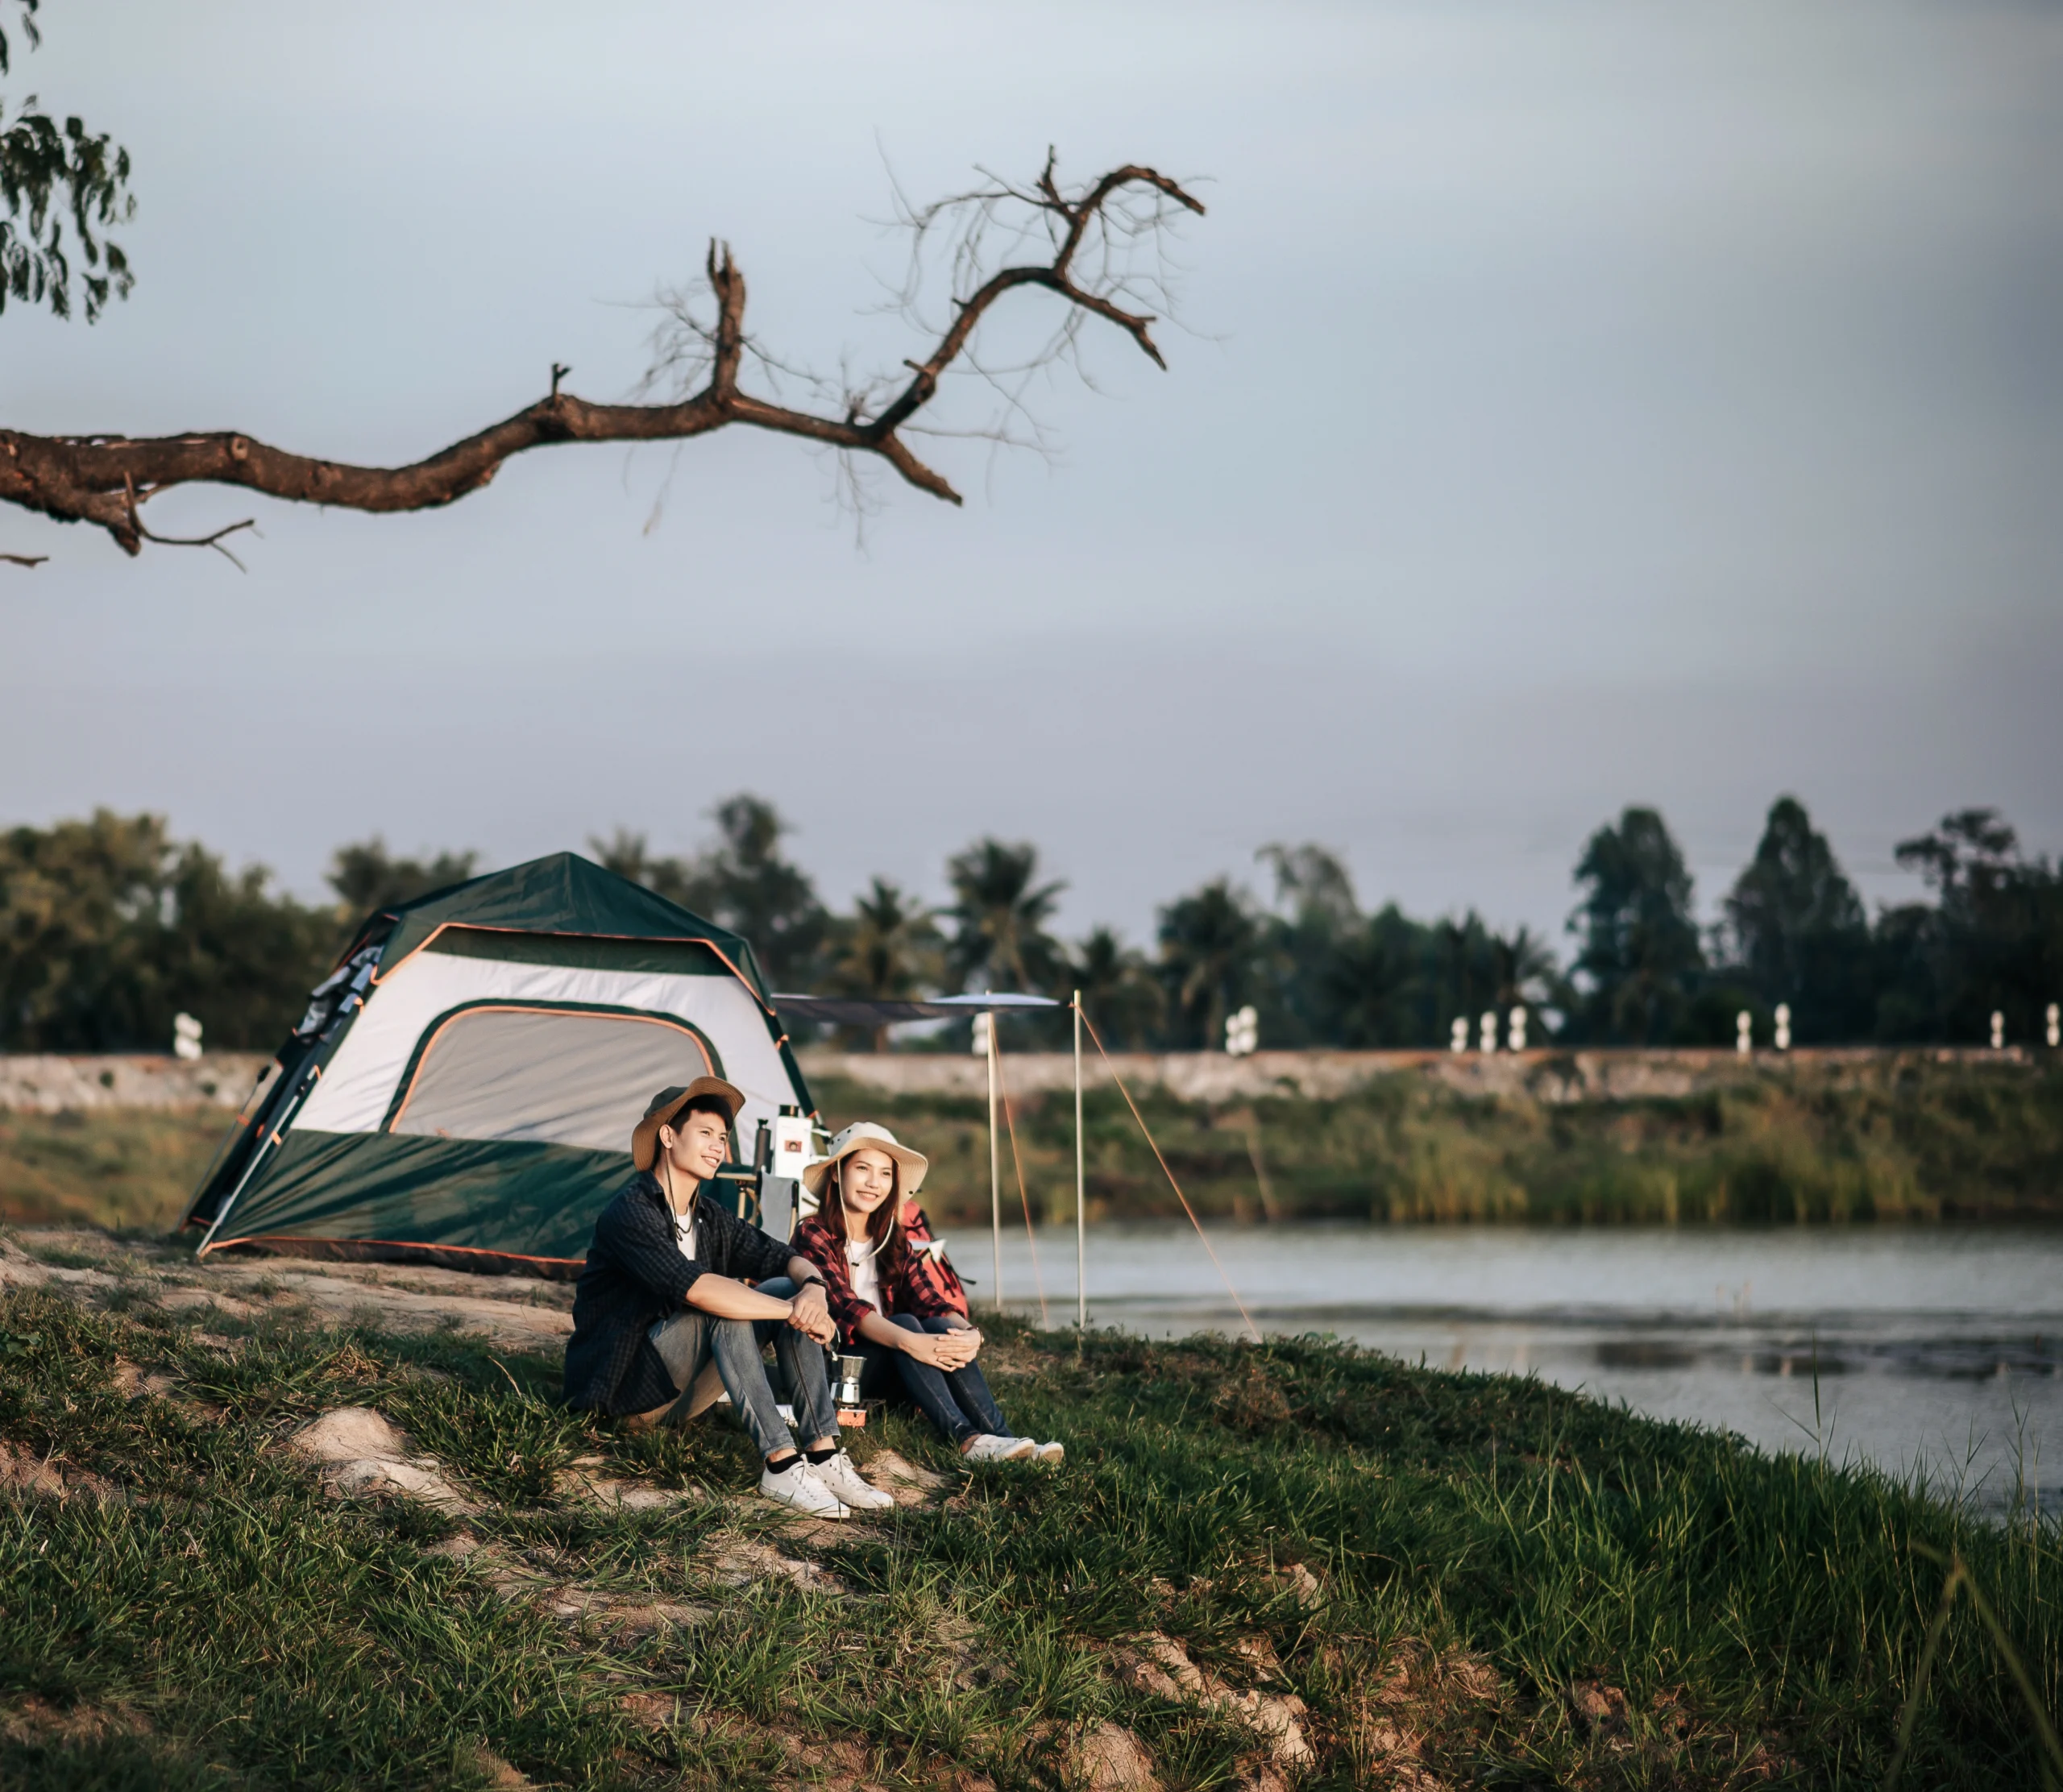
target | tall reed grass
[{"x": 1906, "y": 1140}]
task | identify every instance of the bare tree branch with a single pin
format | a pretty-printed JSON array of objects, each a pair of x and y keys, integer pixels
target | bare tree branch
[
  {"x": 214, "y": 540},
  {"x": 104, "y": 480}
]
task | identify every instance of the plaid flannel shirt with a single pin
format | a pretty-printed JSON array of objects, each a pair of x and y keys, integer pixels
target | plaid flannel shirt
[
  {"x": 917, "y": 1281},
  {"x": 636, "y": 1274}
]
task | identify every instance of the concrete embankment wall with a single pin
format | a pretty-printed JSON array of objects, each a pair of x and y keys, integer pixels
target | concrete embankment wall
[
  {"x": 39, "y": 1083},
  {"x": 52, "y": 1083},
  {"x": 1552, "y": 1076}
]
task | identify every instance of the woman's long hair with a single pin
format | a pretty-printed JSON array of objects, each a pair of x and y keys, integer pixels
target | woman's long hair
[{"x": 884, "y": 1224}]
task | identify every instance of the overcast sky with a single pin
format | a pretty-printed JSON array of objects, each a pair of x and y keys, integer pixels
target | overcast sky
[{"x": 1579, "y": 405}]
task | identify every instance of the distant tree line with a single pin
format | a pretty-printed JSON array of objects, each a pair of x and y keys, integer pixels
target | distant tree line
[{"x": 109, "y": 927}]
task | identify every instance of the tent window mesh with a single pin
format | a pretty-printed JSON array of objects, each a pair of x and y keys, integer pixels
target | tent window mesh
[{"x": 537, "y": 1076}]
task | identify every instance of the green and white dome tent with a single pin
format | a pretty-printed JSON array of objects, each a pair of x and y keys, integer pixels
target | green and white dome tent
[{"x": 463, "y": 1087}]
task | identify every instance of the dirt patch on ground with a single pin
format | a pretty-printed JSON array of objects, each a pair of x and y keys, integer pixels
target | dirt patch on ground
[
  {"x": 845, "y": 1764},
  {"x": 500, "y": 1775},
  {"x": 902, "y": 1480},
  {"x": 35, "y": 1722},
  {"x": 518, "y": 1311},
  {"x": 581, "y": 1486},
  {"x": 360, "y": 1452},
  {"x": 1107, "y": 1757},
  {"x": 1395, "y": 1725},
  {"x": 1159, "y": 1666},
  {"x": 738, "y": 1561},
  {"x": 22, "y": 1471},
  {"x": 622, "y": 1617}
]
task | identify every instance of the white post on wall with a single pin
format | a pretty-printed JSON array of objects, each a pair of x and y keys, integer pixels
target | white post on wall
[
  {"x": 1081, "y": 1186},
  {"x": 1744, "y": 1033},
  {"x": 1997, "y": 1029},
  {"x": 1489, "y": 1032},
  {"x": 1515, "y": 1035},
  {"x": 1457, "y": 1035},
  {"x": 1242, "y": 1032},
  {"x": 2055, "y": 1024},
  {"x": 1783, "y": 1026}
]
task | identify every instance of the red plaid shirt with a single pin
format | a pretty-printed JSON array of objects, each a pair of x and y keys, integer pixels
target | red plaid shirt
[{"x": 915, "y": 1278}]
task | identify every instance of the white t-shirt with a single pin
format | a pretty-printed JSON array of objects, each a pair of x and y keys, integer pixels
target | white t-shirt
[
  {"x": 684, "y": 1232},
  {"x": 861, "y": 1259}
]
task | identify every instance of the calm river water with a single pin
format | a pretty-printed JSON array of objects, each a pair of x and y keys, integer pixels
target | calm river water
[{"x": 1940, "y": 1351}]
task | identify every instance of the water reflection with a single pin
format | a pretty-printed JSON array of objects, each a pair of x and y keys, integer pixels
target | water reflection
[{"x": 1936, "y": 1351}]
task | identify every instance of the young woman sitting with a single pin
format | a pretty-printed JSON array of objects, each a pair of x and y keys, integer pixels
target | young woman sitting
[{"x": 894, "y": 1303}]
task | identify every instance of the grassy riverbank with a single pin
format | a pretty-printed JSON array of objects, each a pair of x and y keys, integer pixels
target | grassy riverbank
[
  {"x": 1897, "y": 1139},
  {"x": 1461, "y": 1578},
  {"x": 125, "y": 1167}
]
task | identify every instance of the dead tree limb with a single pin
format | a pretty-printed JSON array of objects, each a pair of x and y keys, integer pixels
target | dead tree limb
[{"x": 104, "y": 480}]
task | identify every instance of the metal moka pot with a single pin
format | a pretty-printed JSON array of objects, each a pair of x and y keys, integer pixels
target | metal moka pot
[{"x": 850, "y": 1368}]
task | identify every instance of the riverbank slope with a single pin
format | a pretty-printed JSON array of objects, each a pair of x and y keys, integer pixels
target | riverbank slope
[{"x": 276, "y": 1520}]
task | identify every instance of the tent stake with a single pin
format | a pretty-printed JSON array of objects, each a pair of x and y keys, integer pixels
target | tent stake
[
  {"x": 1081, "y": 1243},
  {"x": 995, "y": 1165}
]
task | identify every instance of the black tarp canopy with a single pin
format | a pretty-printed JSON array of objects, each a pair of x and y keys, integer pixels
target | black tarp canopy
[{"x": 872, "y": 1011}]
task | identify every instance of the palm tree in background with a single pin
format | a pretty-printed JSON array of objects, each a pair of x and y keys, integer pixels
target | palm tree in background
[
  {"x": 889, "y": 947},
  {"x": 1374, "y": 984},
  {"x": 1467, "y": 955},
  {"x": 366, "y": 876},
  {"x": 630, "y": 855},
  {"x": 1528, "y": 974},
  {"x": 1314, "y": 886},
  {"x": 1318, "y": 918},
  {"x": 1118, "y": 990},
  {"x": 1211, "y": 953},
  {"x": 748, "y": 884},
  {"x": 742, "y": 882},
  {"x": 999, "y": 914}
]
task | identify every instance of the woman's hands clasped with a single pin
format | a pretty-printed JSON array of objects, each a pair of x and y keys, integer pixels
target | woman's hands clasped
[{"x": 943, "y": 1350}]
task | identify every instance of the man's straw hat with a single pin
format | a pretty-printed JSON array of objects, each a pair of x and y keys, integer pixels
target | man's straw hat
[
  {"x": 865, "y": 1135},
  {"x": 667, "y": 1106}
]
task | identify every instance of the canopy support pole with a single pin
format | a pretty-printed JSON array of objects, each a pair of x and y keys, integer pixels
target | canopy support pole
[
  {"x": 995, "y": 1165},
  {"x": 1081, "y": 1235}
]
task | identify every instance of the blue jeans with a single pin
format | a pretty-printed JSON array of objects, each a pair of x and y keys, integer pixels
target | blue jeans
[
  {"x": 688, "y": 1340},
  {"x": 957, "y": 1401},
  {"x": 801, "y": 1374}
]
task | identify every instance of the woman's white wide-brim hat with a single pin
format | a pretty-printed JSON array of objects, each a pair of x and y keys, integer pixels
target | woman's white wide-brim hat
[{"x": 865, "y": 1135}]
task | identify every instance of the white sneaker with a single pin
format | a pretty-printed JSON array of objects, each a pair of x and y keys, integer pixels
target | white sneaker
[
  {"x": 798, "y": 1489},
  {"x": 841, "y": 1475},
  {"x": 987, "y": 1447},
  {"x": 1054, "y": 1453}
]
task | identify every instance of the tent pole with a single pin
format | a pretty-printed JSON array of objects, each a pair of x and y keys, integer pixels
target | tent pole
[
  {"x": 1081, "y": 1243},
  {"x": 995, "y": 1165},
  {"x": 308, "y": 1079}
]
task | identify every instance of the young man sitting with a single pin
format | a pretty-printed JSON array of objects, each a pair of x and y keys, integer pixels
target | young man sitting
[{"x": 669, "y": 1286}]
